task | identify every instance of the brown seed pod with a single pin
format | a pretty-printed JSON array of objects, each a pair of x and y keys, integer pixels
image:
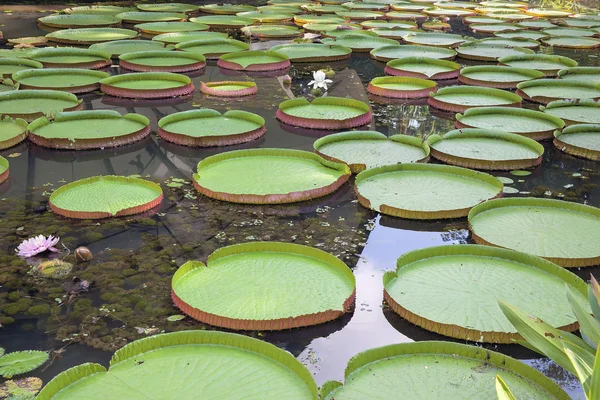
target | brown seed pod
[{"x": 83, "y": 254}]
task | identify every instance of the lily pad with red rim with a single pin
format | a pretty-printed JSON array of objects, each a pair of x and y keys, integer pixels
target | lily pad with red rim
[
  {"x": 135, "y": 17},
  {"x": 223, "y": 21},
  {"x": 424, "y": 191},
  {"x": 226, "y": 9},
  {"x": 482, "y": 51},
  {"x": 434, "y": 39},
  {"x": 316, "y": 8},
  {"x": 548, "y": 64},
  {"x": 229, "y": 88},
  {"x": 461, "y": 98},
  {"x": 278, "y": 286},
  {"x": 546, "y": 90},
  {"x": 495, "y": 76},
  {"x": 83, "y": 130},
  {"x": 423, "y": 67},
  {"x": 254, "y": 60},
  {"x": 272, "y": 31},
  {"x": 388, "y": 53},
  {"x": 436, "y": 26},
  {"x": 147, "y": 85},
  {"x": 213, "y": 48},
  {"x": 105, "y": 196},
  {"x": 168, "y": 7},
  {"x": 74, "y": 80},
  {"x": 268, "y": 176},
  {"x": 118, "y": 47},
  {"x": 570, "y": 42},
  {"x": 313, "y": 52},
  {"x": 162, "y": 61},
  {"x": 32, "y": 104},
  {"x": 206, "y": 127},
  {"x": 324, "y": 113},
  {"x": 180, "y": 37},
  {"x": 584, "y": 74},
  {"x": 401, "y": 87},
  {"x": 532, "y": 124},
  {"x": 581, "y": 140},
  {"x": 574, "y": 111},
  {"x": 486, "y": 149},
  {"x": 9, "y": 66},
  {"x": 157, "y": 28},
  {"x": 559, "y": 231},
  {"x": 70, "y": 57},
  {"x": 79, "y": 20},
  {"x": 368, "y": 149},
  {"x": 12, "y": 132}
]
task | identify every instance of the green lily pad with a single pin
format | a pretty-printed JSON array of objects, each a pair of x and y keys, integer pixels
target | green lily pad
[
  {"x": 514, "y": 17},
  {"x": 424, "y": 191},
  {"x": 323, "y": 8},
  {"x": 412, "y": 7},
  {"x": 20, "y": 362},
  {"x": 277, "y": 286},
  {"x": 79, "y": 20},
  {"x": 394, "y": 33},
  {"x": 180, "y": 37},
  {"x": 273, "y": 31},
  {"x": 213, "y": 48},
  {"x": 208, "y": 127},
  {"x": 578, "y": 22},
  {"x": 521, "y": 34},
  {"x": 31, "y": 104},
  {"x": 546, "y": 90},
  {"x": 486, "y": 149},
  {"x": 574, "y": 111},
  {"x": 226, "y": 9},
  {"x": 74, "y": 80},
  {"x": 157, "y": 28},
  {"x": 406, "y": 16},
  {"x": 169, "y": 61},
  {"x": 360, "y": 5},
  {"x": 338, "y": 33},
  {"x": 255, "y": 60},
  {"x": 145, "y": 84},
  {"x": 513, "y": 42},
  {"x": 562, "y": 232},
  {"x": 360, "y": 15},
  {"x": 434, "y": 39},
  {"x": 12, "y": 132},
  {"x": 533, "y": 124},
  {"x": 569, "y": 32},
  {"x": 423, "y": 67},
  {"x": 9, "y": 66},
  {"x": 324, "y": 113},
  {"x": 537, "y": 24},
  {"x": 16, "y": 53},
  {"x": 457, "y": 308},
  {"x": 118, "y": 47},
  {"x": 268, "y": 176},
  {"x": 135, "y": 17},
  {"x": 105, "y": 196},
  {"x": 571, "y": 42},
  {"x": 90, "y": 35},
  {"x": 582, "y": 140},
  {"x": 388, "y": 24},
  {"x": 447, "y": 12},
  {"x": 368, "y": 149},
  {"x": 482, "y": 51},
  {"x": 301, "y": 20},
  {"x": 107, "y": 10},
  {"x": 496, "y": 76},
  {"x": 313, "y": 52},
  {"x": 323, "y": 28},
  {"x": 401, "y": 87},
  {"x": 223, "y": 21},
  {"x": 584, "y": 74},
  {"x": 494, "y": 3},
  {"x": 267, "y": 17},
  {"x": 388, "y": 53},
  {"x": 478, "y": 19},
  {"x": 71, "y": 57},
  {"x": 88, "y": 130},
  {"x": 461, "y": 98},
  {"x": 168, "y": 7},
  {"x": 493, "y": 28},
  {"x": 548, "y": 64}
]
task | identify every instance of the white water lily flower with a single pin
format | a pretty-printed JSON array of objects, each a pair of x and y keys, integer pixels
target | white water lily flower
[{"x": 319, "y": 80}]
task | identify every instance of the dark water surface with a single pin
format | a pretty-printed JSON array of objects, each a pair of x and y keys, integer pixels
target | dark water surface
[{"x": 135, "y": 258}]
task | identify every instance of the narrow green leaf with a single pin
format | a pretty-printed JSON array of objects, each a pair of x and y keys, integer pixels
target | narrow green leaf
[
  {"x": 502, "y": 390},
  {"x": 587, "y": 324},
  {"x": 583, "y": 362},
  {"x": 594, "y": 297},
  {"x": 594, "y": 390}
]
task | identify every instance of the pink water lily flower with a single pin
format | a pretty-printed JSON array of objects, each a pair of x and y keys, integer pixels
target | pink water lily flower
[{"x": 37, "y": 245}]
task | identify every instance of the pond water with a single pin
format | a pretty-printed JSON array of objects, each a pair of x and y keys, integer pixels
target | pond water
[{"x": 135, "y": 258}]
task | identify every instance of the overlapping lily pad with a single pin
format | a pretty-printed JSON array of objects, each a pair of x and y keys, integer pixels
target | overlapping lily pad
[
  {"x": 546, "y": 90},
  {"x": 521, "y": 33},
  {"x": 226, "y": 9},
  {"x": 107, "y": 10},
  {"x": 569, "y": 42},
  {"x": 361, "y": 43},
  {"x": 369, "y": 149},
  {"x": 548, "y": 64},
  {"x": 147, "y": 85},
  {"x": 448, "y": 12},
  {"x": 118, "y": 47},
  {"x": 70, "y": 57},
  {"x": 537, "y": 24},
  {"x": 480, "y": 19},
  {"x": 87, "y": 36},
  {"x": 79, "y": 20},
  {"x": 166, "y": 61},
  {"x": 434, "y": 39},
  {"x": 482, "y": 51},
  {"x": 493, "y": 28},
  {"x": 254, "y": 60},
  {"x": 180, "y": 37},
  {"x": 223, "y": 21},
  {"x": 461, "y": 98},
  {"x": 82, "y": 130},
  {"x": 12, "y": 132},
  {"x": 424, "y": 191},
  {"x": 324, "y": 27},
  {"x": 388, "y": 53},
  {"x": 9, "y": 66},
  {"x": 423, "y": 67},
  {"x": 533, "y": 124},
  {"x": 577, "y": 22},
  {"x": 513, "y": 42},
  {"x": 271, "y": 286},
  {"x": 360, "y": 5},
  {"x": 401, "y": 87},
  {"x": 389, "y": 24},
  {"x": 270, "y": 31},
  {"x": 360, "y": 15},
  {"x": 495, "y": 76},
  {"x": 584, "y": 74},
  {"x": 213, "y": 48},
  {"x": 429, "y": 369},
  {"x": 301, "y": 20},
  {"x": 486, "y": 149},
  {"x": 157, "y": 28},
  {"x": 268, "y": 176},
  {"x": 105, "y": 196},
  {"x": 6, "y": 85},
  {"x": 569, "y": 32},
  {"x": 206, "y": 127},
  {"x": 581, "y": 140},
  {"x": 229, "y": 88},
  {"x": 272, "y": 17},
  {"x": 135, "y": 17},
  {"x": 562, "y": 232},
  {"x": 168, "y": 7},
  {"x": 324, "y": 113},
  {"x": 74, "y": 80},
  {"x": 32, "y": 104},
  {"x": 256, "y": 370},
  {"x": 313, "y": 52},
  {"x": 436, "y": 26},
  {"x": 574, "y": 111},
  {"x": 406, "y": 16},
  {"x": 336, "y": 33}
]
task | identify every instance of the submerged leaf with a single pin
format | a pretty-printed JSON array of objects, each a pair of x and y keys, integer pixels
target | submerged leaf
[{"x": 175, "y": 318}]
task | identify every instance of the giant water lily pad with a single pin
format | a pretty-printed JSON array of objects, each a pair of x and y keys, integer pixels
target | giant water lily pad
[
  {"x": 254, "y": 60},
  {"x": 388, "y": 53},
  {"x": 269, "y": 31},
  {"x": 584, "y": 74},
  {"x": 31, "y": 104},
  {"x": 272, "y": 17},
  {"x": 87, "y": 36},
  {"x": 157, "y": 28},
  {"x": 229, "y": 88},
  {"x": 578, "y": 22},
  {"x": 493, "y": 28},
  {"x": 548, "y": 64},
  {"x": 118, "y": 47},
  {"x": 213, "y": 48},
  {"x": 360, "y": 43},
  {"x": 401, "y": 87},
  {"x": 323, "y": 8},
  {"x": 448, "y": 12},
  {"x": 569, "y": 32},
  {"x": 180, "y": 37},
  {"x": 392, "y": 33},
  {"x": 324, "y": 113},
  {"x": 388, "y": 24},
  {"x": 313, "y": 52},
  {"x": 486, "y": 149},
  {"x": 74, "y": 80},
  {"x": 569, "y": 42},
  {"x": 546, "y": 90},
  {"x": 533, "y": 124},
  {"x": 478, "y": 19},
  {"x": 359, "y": 5},
  {"x": 105, "y": 196},
  {"x": 582, "y": 140},
  {"x": 513, "y": 42},
  {"x": 303, "y": 19},
  {"x": 226, "y": 9},
  {"x": 147, "y": 85},
  {"x": 268, "y": 176},
  {"x": 547, "y": 13},
  {"x": 537, "y": 24},
  {"x": 562, "y": 232},
  {"x": 12, "y": 132},
  {"x": 168, "y": 61},
  {"x": 9, "y": 66},
  {"x": 458, "y": 308},
  {"x": 424, "y": 191},
  {"x": 107, "y": 10},
  {"x": 79, "y": 20},
  {"x": 435, "y": 370},
  {"x": 208, "y": 127},
  {"x": 461, "y": 98},
  {"x": 69, "y": 57},
  {"x": 255, "y": 370},
  {"x": 324, "y": 27},
  {"x": 495, "y": 76},
  {"x": 168, "y": 7},
  {"x": 406, "y": 16},
  {"x": 223, "y": 21},
  {"x": 271, "y": 286},
  {"x": 486, "y": 51},
  {"x": 360, "y": 15},
  {"x": 139, "y": 17},
  {"x": 336, "y": 33},
  {"x": 434, "y": 39},
  {"x": 82, "y": 130},
  {"x": 423, "y": 67},
  {"x": 521, "y": 34},
  {"x": 369, "y": 149},
  {"x": 574, "y": 111}
]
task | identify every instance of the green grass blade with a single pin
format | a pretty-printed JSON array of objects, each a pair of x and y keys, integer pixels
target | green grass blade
[{"x": 502, "y": 390}]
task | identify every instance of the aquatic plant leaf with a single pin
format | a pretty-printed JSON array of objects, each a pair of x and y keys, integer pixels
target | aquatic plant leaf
[
  {"x": 31, "y": 104},
  {"x": 20, "y": 389},
  {"x": 594, "y": 297},
  {"x": 157, "y": 28},
  {"x": 324, "y": 113},
  {"x": 549, "y": 64},
  {"x": 312, "y": 52},
  {"x": 90, "y": 35},
  {"x": 594, "y": 389},
  {"x": 118, "y": 47},
  {"x": 74, "y": 80},
  {"x": 175, "y": 318},
  {"x": 583, "y": 363},
  {"x": 547, "y": 90},
  {"x": 168, "y": 7},
  {"x": 401, "y": 87},
  {"x": 135, "y": 17},
  {"x": 12, "y": 131},
  {"x": 487, "y": 51},
  {"x": 79, "y": 20},
  {"x": 503, "y": 390},
  {"x": 20, "y": 362},
  {"x": 391, "y": 52},
  {"x": 213, "y": 48},
  {"x": 152, "y": 85},
  {"x": 165, "y": 61},
  {"x": 423, "y": 67},
  {"x": 9, "y": 66},
  {"x": 588, "y": 325},
  {"x": 181, "y": 37},
  {"x": 501, "y": 77},
  {"x": 461, "y": 98}
]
